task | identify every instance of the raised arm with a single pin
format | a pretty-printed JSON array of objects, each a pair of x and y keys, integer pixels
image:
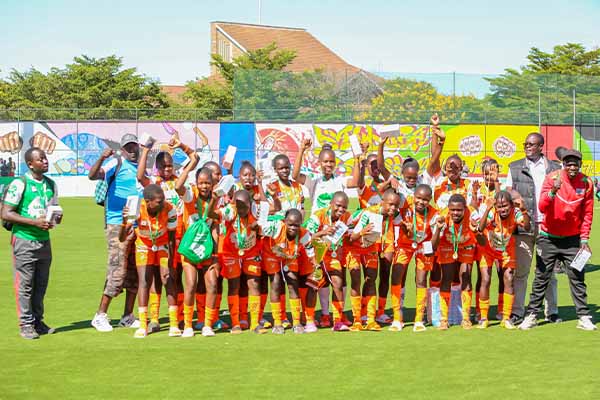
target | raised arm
[
  {"x": 381, "y": 159},
  {"x": 296, "y": 175},
  {"x": 96, "y": 172},
  {"x": 180, "y": 182},
  {"x": 357, "y": 172},
  {"x": 437, "y": 145},
  {"x": 141, "y": 169}
]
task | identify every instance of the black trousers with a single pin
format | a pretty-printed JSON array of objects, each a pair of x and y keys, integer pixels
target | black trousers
[{"x": 549, "y": 251}]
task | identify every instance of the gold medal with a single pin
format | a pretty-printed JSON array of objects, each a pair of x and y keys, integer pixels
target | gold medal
[
  {"x": 504, "y": 254},
  {"x": 241, "y": 252},
  {"x": 455, "y": 255}
]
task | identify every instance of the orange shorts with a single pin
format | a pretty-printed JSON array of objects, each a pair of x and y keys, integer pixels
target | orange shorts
[
  {"x": 305, "y": 267},
  {"x": 272, "y": 264},
  {"x": 466, "y": 254},
  {"x": 387, "y": 247},
  {"x": 505, "y": 260},
  {"x": 405, "y": 254},
  {"x": 233, "y": 265},
  {"x": 206, "y": 263},
  {"x": 334, "y": 264},
  {"x": 356, "y": 260},
  {"x": 145, "y": 256}
]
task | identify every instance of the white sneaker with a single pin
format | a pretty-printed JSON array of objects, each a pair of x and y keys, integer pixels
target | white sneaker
[
  {"x": 102, "y": 323},
  {"x": 396, "y": 326},
  {"x": 419, "y": 327},
  {"x": 129, "y": 321},
  {"x": 207, "y": 331},
  {"x": 174, "y": 331},
  {"x": 140, "y": 333},
  {"x": 188, "y": 333},
  {"x": 529, "y": 322},
  {"x": 383, "y": 319},
  {"x": 586, "y": 323}
]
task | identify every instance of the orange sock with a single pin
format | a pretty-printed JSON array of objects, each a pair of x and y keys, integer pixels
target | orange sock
[
  {"x": 154, "y": 306},
  {"x": 243, "y": 308},
  {"x": 508, "y": 305},
  {"x": 501, "y": 304},
  {"x": 234, "y": 309},
  {"x": 303, "y": 292},
  {"x": 371, "y": 309},
  {"x": 200, "y": 307},
  {"x": 188, "y": 315},
  {"x": 263, "y": 303},
  {"x": 217, "y": 308},
  {"x": 254, "y": 309},
  {"x": 466, "y": 297},
  {"x": 356, "y": 306},
  {"x": 396, "y": 302},
  {"x": 276, "y": 313},
  {"x": 363, "y": 307},
  {"x": 338, "y": 309},
  {"x": 421, "y": 304},
  {"x": 295, "y": 307},
  {"x": 208, "y": 320},
  {"x": 484, "y": 308},
  {"x": 282, "y": 304},
  {"x": 180, "y": 297},
  {"x": 477, "y": 307},
  {"x": 381, "y": 305},
  {"x": 436, "y": 284},
  {"x": 309, "y": 313},
  {"x": 444, "y": 304}
]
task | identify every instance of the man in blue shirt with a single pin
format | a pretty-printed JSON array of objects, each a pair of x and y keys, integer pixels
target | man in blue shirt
[{"x": 120, "y": 174}]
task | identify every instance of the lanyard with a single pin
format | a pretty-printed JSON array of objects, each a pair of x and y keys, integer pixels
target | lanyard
[
  {"x": 415, "y": 236},
  {"x": 202, "y": 207},
  {"x": 153, "y": 234},
  {"x": 241, "y": 237},
  {"x": 455, "y": 238},
  {"x": 499, "y": 223},
  {"x": 334, "y": 246}
]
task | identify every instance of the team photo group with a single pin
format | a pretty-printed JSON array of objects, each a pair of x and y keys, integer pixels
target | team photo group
[{"x": 281, "y": 239}]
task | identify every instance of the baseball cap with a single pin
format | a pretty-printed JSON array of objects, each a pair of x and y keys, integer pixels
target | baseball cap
[
  {"x": 571, "y": 153},
  {"x": 128, "y": 138}
]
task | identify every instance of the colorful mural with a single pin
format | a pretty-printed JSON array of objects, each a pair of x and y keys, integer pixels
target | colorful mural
[{"x": 73, "y": 147}]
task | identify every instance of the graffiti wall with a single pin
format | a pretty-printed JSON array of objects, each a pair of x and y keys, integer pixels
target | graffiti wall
[{"x": 73, "y": 147}]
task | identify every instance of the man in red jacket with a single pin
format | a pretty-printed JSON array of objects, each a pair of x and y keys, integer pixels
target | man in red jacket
[{"x": 567, "y": 202}]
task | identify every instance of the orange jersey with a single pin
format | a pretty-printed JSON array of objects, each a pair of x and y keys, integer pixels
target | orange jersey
[
  {"x": 385, "y": 236},
  {"x": 172, "y": 197},
  {"x": 322, "y": 218},
  {"x": 236, "y": 237},
  {"x": 278, "y": 248},
  {"x": 462, "y": 233},
  {"x": 194, "y": 207},
  {"x": 499, "y": 231},
  {"x": 421, "y": 225},
  {"x": 369, "y": 195},
  {"x": 154, "y": 231},
  {"x": 289, "y": 196},
  {"x": 444, "y": 189}
]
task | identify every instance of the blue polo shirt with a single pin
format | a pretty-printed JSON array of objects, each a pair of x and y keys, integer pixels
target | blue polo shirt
[{"x": 124, "y": 185}]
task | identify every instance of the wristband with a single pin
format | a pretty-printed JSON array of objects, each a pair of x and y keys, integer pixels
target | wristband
[{"x": 584, "y": 241}]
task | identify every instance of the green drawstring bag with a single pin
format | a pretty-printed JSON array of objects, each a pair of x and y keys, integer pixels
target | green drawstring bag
[{"x": 197, "y": 243}]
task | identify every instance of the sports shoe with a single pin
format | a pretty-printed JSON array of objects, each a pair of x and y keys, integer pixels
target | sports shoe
[
  {"x": 27, "y": 332},
  {"x": 553, "y": 318},
  {"x": 129, "y": 321},
  {"x": 516, "y": 320},
  {"x": 42, "y": 329},
  {"x": 443, "y": 325},
  {"x": 174, "y": 331},
  {"x": 188, "y": 333},
  {"x": 244, "y": 324},
  {"x": 140, "y": 333},
  {"x": 345, "y": 320},
  {"x": 153, "y": 327},
  {"x": 298, "y": 329},
  {"x": 278, "y": 330},
  {"x": 102, "y": 323},
  {"x": 220, "y": 324},
  {"x": 325, "y": 321},
  {"x": 199, "y": 326},
  {"x": 236, "y": 330},
  {"x": 483, "y": 324},
  {"x": 207, "y": 331},
  {"x": 384, "y": 319},
  {"x": 419, "y": 327},
  {"x": 499, "y": 316},
  {"x": 466, "y": 324},
  {"x": 373, "y": 326},
  {"x": 530, "y": 321},
  {"x": 586, "y": 323},
  {"x": 260, "y": 330},
  {"x": 265, "y": 323},
  {"x": 396, "y": 326},
  {"x": 310, "y": 328},
  {"x": 356, "y": 327},
  {"x": 286, "y": 324},
  {"x": 339, "y": 327},
  {"x": 363, "y": 319},
  {"x": 507, "y": 324}
]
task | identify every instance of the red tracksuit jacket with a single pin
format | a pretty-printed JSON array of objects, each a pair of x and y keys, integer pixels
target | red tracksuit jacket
[{"x": 570, "y": 211}]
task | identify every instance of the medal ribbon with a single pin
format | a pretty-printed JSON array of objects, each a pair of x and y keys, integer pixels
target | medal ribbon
[
  {"x": 455, "y": 239},
  {"x": 415, "y": 223},
  {"x": 241, "y": 237}
]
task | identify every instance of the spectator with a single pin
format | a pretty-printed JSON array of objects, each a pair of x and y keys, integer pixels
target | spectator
[
  {"x": 568, "y": 206},
  {"x": 12, "y": 167},
  {"x": 25, "y": 206},
  {"x": 3, "y": 167},
  {"x": 597, "y": 186},
  {"x": 526, "y": 177},
  {"x": 122, "y": 183}
]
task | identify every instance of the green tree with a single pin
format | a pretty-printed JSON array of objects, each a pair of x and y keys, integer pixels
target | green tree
[{"x": 101, "y": 86}]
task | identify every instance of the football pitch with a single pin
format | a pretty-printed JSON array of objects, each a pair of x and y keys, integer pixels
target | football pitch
[{"x": 550, "y": 361}]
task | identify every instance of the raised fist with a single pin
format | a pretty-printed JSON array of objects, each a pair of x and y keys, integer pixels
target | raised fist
[
  {"x": 43, "y": 141},
  {"x": 435, "y": 120},
  {"x": 306, "y": 144},
  {"x": 557, "y": 184},
  {"x": 11, "y": 142}
]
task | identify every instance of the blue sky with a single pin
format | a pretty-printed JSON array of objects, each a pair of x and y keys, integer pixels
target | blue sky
[{"x": 169, "y": 40}]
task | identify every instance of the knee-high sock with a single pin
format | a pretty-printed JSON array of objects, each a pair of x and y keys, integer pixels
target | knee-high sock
[
  {"x": 276, "y": 313},
  {"x": 263, "y": 303},
  {"x": 324, "y": 294},
  {"x": 477, "y": 304},
  {"x": 188, "y": 316},
  {"x": 234, "y": 309},
  {"x": 356, "y": 306},
  {"x": 143, "y": 316},
  {"x": 173, "y": 316},
  {"x": 154, "y": 306},
  {"x": 215, "y": 316},
  {"x": 200, "y": 307},
  {"x": 180, "y": 297},
  {"x": 371, "y": 309},
  {"x": 396, "y": 291},
  {"x": 501, "y": 304},
  {"x": 363, "y": 307},
  {"x": 338, "y": 309},
  {"x": 295, "y": 306},
  {"x": 484, "y": 308},
  {"x": 444, "y": 304},
  {"x": 254, "y": 308},
  {"x": 421, "y": 304},
  {"x": 282, "y": 305},
  {"x": 243, "y": 308},
  {"x": 381, "y": 305},
  {"x": 303, "y": 293},
  {"x": 466, "y": 297},
  {"x": 309, "y": 313},
  {"x": 508, "y": 305},
  {"x": 208, "y": 316}
]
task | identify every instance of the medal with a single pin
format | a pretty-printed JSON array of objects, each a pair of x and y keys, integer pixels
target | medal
[
  {"x": 455, "y": 255},
  {"x": 418, "y": 234},
  {"x": 504, "y": 254},
  {"x": 455, "y": 239},
  {"x": 241, "y": 237},
  {"x": 240, "y": 252},
  {"x": 414, "y": 245},
  {"x": 154, "y": 247},
  {"x": 286, "y": 268},
  {"x": 333, "y": 254}
]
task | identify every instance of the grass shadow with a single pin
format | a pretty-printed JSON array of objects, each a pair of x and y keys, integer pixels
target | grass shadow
[{"x": 74, "y": 326}]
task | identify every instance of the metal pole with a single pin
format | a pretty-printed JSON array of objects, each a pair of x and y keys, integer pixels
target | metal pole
[
  {"x": 454, "y": 89},
  {"x": 540, "y": 110},
  {"x": 574, "y": 111},
  {"x": 259, "y": 12}
]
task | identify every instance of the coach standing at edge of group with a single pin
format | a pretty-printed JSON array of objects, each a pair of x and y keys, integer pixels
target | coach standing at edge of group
[{"x": 526, "y": 176}]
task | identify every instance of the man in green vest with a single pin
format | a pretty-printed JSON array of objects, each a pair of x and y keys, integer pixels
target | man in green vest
[{"x": 25, "y": 207}]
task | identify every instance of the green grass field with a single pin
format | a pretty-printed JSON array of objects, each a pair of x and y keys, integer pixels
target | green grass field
[{"x": 551, "y": 361}]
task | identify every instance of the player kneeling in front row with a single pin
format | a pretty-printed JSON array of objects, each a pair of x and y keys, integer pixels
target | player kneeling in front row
[{"x": 154, "y": 251}]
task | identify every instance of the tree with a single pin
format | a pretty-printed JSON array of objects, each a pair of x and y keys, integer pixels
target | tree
[{"x": 95, "y": 84}]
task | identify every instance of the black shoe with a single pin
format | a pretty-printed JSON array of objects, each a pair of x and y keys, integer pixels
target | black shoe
[
  {"x": 516, "y": 320},
  {"x": 27, "y": 332},
  {"x": 553, "y": 318},
  {"x": 42, "y": 329}
]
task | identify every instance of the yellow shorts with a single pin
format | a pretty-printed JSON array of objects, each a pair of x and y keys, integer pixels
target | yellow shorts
[
  {"x": 145, "y": 256},
  {"x": 356, "y": 260}
]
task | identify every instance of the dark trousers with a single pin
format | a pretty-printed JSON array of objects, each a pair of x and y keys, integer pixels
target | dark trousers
[
  {"x": 32, "y": 261},
  {"x": 549, "y": 251}
]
